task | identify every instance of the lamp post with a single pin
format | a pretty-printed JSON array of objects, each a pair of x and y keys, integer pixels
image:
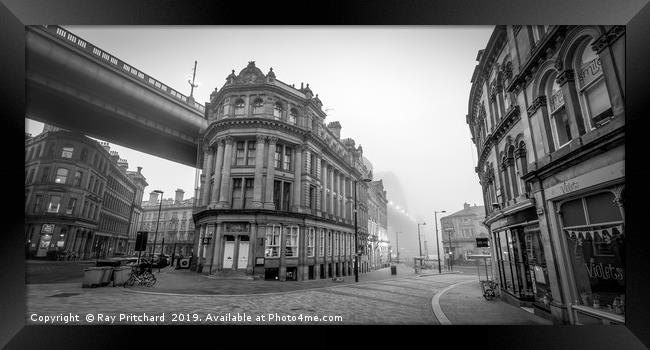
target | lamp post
[
  {"x": 155, "y": 237},
  {"x": 397, "y": 242},
  {"x": 435, "y": 215},
  {"x": 420, "y": 242},
  {"x": 451, "y": 254},
  {"x": 356, "y": 233}
]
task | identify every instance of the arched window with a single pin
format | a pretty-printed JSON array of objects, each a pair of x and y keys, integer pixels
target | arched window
[
  {"x": 592, "y": 89},
  {"x": 293, "y": 116},
  {"x": 514, "y": 178},
  {"x": 84, "y": 155},
  {"x": 258, "y": 106},
  {"x": 239, "y": 107},
  {"x": 61, "y": 176},
  {"x": 505, "y": 184},
  {"x": 558, "y": 116},
  {"x": 277, "y": 110}
]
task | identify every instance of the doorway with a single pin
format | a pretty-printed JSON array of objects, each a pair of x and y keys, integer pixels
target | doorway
[
  {"x": 228, "y": 252},
  {"x": 242, "y": 261}
]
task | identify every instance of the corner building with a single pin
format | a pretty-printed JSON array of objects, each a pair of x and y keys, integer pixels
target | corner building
[
  {"x": 277, "y": 184},
  {"x": 546, "y": 112}
]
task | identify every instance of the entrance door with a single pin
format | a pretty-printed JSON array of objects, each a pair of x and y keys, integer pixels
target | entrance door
[
  {"x": 243, "y": 255},
  {"x": 228, "y": 254}
]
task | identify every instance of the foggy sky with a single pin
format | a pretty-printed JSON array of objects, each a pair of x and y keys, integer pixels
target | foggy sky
[{"x": 400, "y": 92}]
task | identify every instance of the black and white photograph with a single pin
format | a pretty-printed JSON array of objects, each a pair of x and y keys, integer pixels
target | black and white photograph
[
  {"x": 439, "y": 173},
  {"x": 325, "y": 175}
]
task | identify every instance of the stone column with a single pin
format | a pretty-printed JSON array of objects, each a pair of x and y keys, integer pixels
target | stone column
[
  {"x": 235, "y": 258},
  {"x": 297, "y": 178},
  {"x": 224, "y": 196},
  {"x": 270, "y": 173},
  {"x": 216, "y": 239},
  {"x": 209, "y": 249},
  {"x": 345, "y": 198},
  {"x": 207, "y": 172},
  {"x": 259, "y": 164},
  {"x": 219, "y": 247},
  {"x": 252, "y": 240},
  {"x": 217, "y": 173},
  {"x": 330, "y": 180}
]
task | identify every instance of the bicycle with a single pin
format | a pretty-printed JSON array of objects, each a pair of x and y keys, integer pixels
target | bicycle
[
  {"x": 141, "y": 276},
  {"x": 489, "y": 289}
]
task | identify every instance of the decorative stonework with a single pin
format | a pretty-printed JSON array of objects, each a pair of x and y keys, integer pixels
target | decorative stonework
[
  {"x": 228, "y": 140},
  {"x": 539, "y": 102},
  {"x": 261, "y": 138},
  {"x": 565, "y": 76},
  {"x": 608, "y": 38},
  {"x": 273, "y": 140}
]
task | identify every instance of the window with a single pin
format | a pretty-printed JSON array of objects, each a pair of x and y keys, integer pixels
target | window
[
  {"x": 272, "y": 241},
  {"x": 71, "y": 204},
  {"x": 250, "y": 153},
  {"x": 560, "y": 126},
  {"x": 311, "y": 240},
  {"x": 248, "y": 193},
  {"x": 277, "y": 110},
  {"x": 84, "y": 155},
  {"x": 37, "y": 204},
  {"x": 78, "y": 177},
  {"x": 30, "y": 176},
  {"x": 593, "y": 228},
  {"x": 336, "y": 244},
  {"x": 594, "y": 98},
  {"x": 329, "y": 243},
  {"x": 67, "y": 152},
  {"x": 278, "y": 156},
  {"x": 293, "y": 116},
  {"x": 55, "y": 203},
  {"x": 286, "y": 165},
  {"x": 321, "y": 243},
  {"x": 46, "y": 174},
  {"x": 240, "y": 157},
  {"x": 286, "y": 195},
  {"x": 291, "y": 241},
  {"x": 312, "y": 164},
  {"x": 96, "y": 160},
  {"x": 277, "y": 194},
  {"x": 61, "y": 176},
  {"x": 258, "y": 106},
  {"x": 236, "y": 193},
  {"x": 239, "y": 107},
  {"x": 312, "y": 197}
]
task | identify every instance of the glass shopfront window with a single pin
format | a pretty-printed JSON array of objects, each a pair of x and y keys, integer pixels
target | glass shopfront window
[
  {"x": 537, "y": 267},
  {"x": 593, "y": 227},
  {"x": 513, "y": 263}
]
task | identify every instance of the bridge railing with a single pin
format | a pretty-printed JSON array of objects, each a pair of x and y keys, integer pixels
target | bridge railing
[{"x": 110, "y": 60}]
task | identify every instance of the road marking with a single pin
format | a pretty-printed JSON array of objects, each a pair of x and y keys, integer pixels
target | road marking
[{"x": 435, "y": 303}]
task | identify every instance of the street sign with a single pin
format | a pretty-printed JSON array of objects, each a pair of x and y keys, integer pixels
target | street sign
[{"x": 482, "y": 242}]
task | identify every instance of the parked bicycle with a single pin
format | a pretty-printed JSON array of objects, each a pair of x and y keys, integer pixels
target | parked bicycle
[
  {"x": 490, "y": 289},
  {"x": 141, "y": 276}
]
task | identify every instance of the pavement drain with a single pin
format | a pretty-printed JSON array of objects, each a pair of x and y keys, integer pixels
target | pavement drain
[{"x": 63, "y": 295}]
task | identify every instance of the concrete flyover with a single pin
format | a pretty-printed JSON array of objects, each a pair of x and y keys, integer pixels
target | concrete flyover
[{"x": 75, "y": 85}]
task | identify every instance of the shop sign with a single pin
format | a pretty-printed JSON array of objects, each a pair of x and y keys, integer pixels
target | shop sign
[
  {"x": 47, "y": 228},
  {"x": 604, "y": 174},
  {"x": 482, "y": 242}
]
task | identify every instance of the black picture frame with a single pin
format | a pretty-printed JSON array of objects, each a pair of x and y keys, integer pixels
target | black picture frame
[{"x": 635, "y": 14}]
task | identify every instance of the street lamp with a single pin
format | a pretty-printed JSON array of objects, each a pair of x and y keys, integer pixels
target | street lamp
[
  {"x": 397, "y": 241},
  {"x": 419, "y": 242},
  {"x": 356, "y": 233},
  {"x": 435, "y": 215},
  {"x": 451, "y": 254},
  {"x": 155, "y": 237}
]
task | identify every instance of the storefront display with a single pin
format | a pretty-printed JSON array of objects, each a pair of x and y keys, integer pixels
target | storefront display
[{"x": 593, "y": 227}]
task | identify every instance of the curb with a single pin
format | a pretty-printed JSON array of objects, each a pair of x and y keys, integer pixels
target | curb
[{"x": 435, "y": 303}]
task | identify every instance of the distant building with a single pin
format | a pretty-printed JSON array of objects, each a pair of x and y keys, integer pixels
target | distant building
[
  {"x": 79, "y": 197},
  {"x": 175, "y": 227},
  {"x": 378, "y": 241},
  {"x": 459, "y": 232}
]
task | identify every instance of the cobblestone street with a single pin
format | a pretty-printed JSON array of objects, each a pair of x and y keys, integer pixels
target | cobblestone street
[{"x": 391, "y": 301}]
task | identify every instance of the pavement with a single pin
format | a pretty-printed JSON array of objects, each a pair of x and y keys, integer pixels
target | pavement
[{"x": 378, "y": 298}]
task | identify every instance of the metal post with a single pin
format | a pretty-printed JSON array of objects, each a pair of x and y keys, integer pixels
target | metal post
[
  {"x": 435, "y": 214},
  {"x": 153, "y": 249},
  {"x": 397, "y": 241},
  {"x": 356, "y": 237},
  {"x": 420, "y": 245},
  {"x": 450, "y": 252}
]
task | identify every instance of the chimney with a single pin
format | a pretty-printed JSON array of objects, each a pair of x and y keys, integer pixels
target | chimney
[
  {"x": 106, "y": 146},
  {"x": 123, "y": 164},
  {"x": 179, "y": 196},
  {"x": 335, "y": 127},
  {"x": 465, "y": 205},
  {"x": 153, "y": 197},
  {"x": 139, "y": 170}
]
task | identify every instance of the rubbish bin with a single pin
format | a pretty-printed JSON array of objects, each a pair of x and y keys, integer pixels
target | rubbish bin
[
  {"x": 93, "y": 277},
  {"x": 393, "y": 270},
  {"x": 106, "y": 277},
  {"x": 121, "y": 275}
]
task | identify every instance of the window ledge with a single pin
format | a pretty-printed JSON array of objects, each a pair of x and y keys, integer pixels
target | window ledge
[{"x": 601, "y": 313}]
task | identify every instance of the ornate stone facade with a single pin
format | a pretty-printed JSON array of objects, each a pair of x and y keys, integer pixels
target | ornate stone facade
[{"x": 273, "y": 170}]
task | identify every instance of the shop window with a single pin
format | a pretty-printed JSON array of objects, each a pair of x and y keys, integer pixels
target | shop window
[
  {"x": 272, "y": 241},
  {"x": 594, "y": 98},
  {"x": 55, "y": 203},
  {"x": 67, "y": 151},
  {"x": 291, "y": 241},
  {"x": 559, "y": 118},
  {"x": 596, "y": 250}
]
